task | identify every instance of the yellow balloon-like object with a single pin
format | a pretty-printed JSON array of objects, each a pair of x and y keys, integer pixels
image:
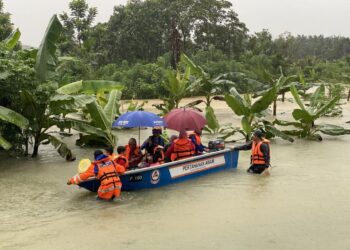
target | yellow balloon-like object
[{"x": 83, "y": 165}]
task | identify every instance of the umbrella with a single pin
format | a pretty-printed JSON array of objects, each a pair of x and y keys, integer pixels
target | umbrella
[
  {"x": 185, "y": 119},
  {"x": 138, "y": 119}
]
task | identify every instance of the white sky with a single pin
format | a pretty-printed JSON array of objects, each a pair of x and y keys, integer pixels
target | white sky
[{"x": 310, "y": 17}]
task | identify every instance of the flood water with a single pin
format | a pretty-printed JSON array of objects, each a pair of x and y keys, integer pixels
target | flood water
[{"x": 304, "y": 204}]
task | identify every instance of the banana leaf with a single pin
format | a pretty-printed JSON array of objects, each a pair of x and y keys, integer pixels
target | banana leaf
[
  {"x": 46, "y": 57},
  {"x": 296, "y": 96},
  {"x": 12, "y": 39},
  {"x": 89, "y": 87},
  {"x": 213, "y": 123},
  {"x": 302, "y": 115},
  {"x": 317, "y": 95},
  {"x": 325, "y": 108},
  {"x": 62, "y": 148},
  {"x": 238, "y": 105},
  {"x": 286, "y": 123},
  {"x": 13, "y": 117},
  {"x": 276, "y": 132},
  {"x": 71, "y": 88},
  {"x": 86, "y": 128},
  {"x": 246, "y": 126},
  {"x": 264, "y": 102},
  {"x": 4, "y": 143},
  {"x": 111, "y": 108},
  {"x": 333, "y": 130},
  {"x": 99, "y": 118}
]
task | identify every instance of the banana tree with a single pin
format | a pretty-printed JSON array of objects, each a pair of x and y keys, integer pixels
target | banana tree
[
  {"x": 252, "y": 114},
  {"x": 98, "y": 129},
  {"x": 177, "y": 86},
  {"x": 282, "y": 84},
  {"x": 306, "y": 118},
  {"x": 211, "y": 88},
  {"x": 10, "y": 116}
]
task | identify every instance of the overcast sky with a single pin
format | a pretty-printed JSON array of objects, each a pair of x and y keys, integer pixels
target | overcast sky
[{"x": 310, "y": 17}]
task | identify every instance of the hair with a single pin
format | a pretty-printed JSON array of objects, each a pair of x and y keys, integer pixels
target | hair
[
  {"x": 97, "y": 153},
  {"x": 109, "y": 150},
  {"x": 120, "y": 149},
  {"x": 183, "y": 134},
  {"x": 133, "y": 139}
]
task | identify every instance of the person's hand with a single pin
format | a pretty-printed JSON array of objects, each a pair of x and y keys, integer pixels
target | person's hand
[{"x": 68, "y": 182}]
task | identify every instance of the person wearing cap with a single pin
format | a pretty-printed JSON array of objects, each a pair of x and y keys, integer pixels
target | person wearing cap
[
  {"x": 153, "y": 141},
  {"x": 197, "y": 141},
  {"x": 181, "y": 148},
  {"x": 105, "y": 170},
  {"x": 260, "y": 157}
]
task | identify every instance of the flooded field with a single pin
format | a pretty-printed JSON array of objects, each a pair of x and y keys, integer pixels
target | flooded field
[{"x": 304, "y": 204}]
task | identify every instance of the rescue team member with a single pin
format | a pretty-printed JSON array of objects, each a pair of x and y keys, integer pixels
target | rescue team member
[
  {"x": 107, "y": 172},
  {"x": 121, "y": 159},
  {"x": 133, "y": 153},
  {"x": 181, "y": 148},
  {"x": 260, "y": 158},
  {"x": 153, "y": 141},
  {"x": 197, "y": 141}
]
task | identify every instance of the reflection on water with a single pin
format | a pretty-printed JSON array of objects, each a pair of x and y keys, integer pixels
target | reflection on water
[{"x": 303, "y": 205}]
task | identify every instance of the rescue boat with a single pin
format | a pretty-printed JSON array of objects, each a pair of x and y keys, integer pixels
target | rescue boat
[{"x": 173, "y": 172}]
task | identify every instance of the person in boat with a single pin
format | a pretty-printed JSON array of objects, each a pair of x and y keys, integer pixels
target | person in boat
[
  {"x": 120, "y": 158},
  {"x": 171, "y": 142},
  {"x": 181, "y": 148},
  {"x": 153, "y": 141},
  {"x": 197, "y": 141},
  {"x": 133, "y": 153},
  {"x": 158, "y": 156},
  {"x": 260, "y": 157},
  {"x": 110, "y": 152},
  {"x": 105, "y": 170}
]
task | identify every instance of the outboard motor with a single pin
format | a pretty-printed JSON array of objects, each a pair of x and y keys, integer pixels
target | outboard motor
[{"x": 216, "y": 145}]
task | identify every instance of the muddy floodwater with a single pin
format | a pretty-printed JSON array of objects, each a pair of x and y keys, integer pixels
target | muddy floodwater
[{"x": 304, "y": 204}]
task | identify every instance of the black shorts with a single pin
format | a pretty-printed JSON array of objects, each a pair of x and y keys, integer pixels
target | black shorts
[{"x": 257, "y": 169}]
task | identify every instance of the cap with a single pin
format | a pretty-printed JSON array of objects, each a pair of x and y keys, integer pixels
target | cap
[{"x": 258, "y": 133}]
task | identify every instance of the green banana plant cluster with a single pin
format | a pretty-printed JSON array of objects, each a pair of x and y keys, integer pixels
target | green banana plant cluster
[
  {"x": 177, "y": 86},
  {"x": 252, "y": 113},
  {"x": 211, "y": 88},
  {"x": 305, "y": 117}
]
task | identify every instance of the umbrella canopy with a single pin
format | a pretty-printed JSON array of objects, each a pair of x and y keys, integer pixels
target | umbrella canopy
[
  {"x": 139, "y": 119},
  {"x": 185, "y": 119}
]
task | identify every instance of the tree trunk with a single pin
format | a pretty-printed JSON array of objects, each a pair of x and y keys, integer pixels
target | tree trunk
[
  {"x": 349, "y": 95},
  {"x": 275, "y": 107},
  {"x": 36, "y": 145},
  {"x": 283, "y": 96}
]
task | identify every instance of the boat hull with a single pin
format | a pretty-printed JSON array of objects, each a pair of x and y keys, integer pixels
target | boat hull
[{"x": 172, "y": 172}]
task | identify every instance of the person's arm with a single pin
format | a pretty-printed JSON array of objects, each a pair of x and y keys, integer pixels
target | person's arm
[
  {"x": 265, "y": 150},
  {"x": 169, "y": 151},
  {"x": 120, "y": 169},
  {"x": 90, "y": 172},
  {"x": 246, "y": 146}
]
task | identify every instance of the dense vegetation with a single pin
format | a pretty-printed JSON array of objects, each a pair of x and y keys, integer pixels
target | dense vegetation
[{"x": 136, "y": 54}]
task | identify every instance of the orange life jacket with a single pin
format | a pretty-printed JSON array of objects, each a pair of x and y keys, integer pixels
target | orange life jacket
[
  {"x": 183, "y": 148},
  {"x": 197, "y": 138},
  {"x": 108, "y": 174},
  {"x": 257, "y": 156},
  {"x": 161, "y": 159},
  {"x": 128, "y": 151},
  {"x": 126, "y": 164}
]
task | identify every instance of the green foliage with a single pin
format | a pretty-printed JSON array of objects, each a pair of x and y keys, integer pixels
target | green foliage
[
  {"x": 306, "y": 117},
  {"x": 5, "y": 22},
  {"x": 250, "y": 113}
]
